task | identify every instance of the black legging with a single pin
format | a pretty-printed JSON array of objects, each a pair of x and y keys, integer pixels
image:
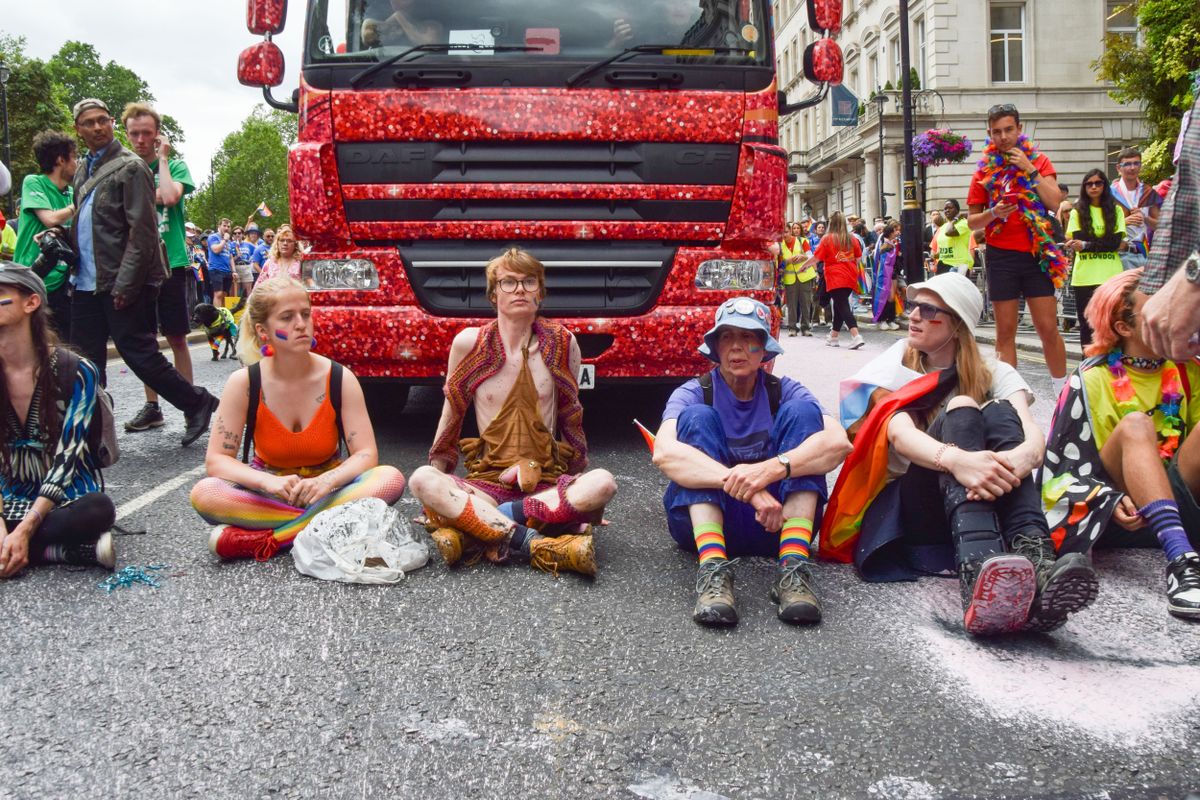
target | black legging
[
  {"x": 923, "y": 492},
  {"x": 80, "y": 522},
  {"x": 841, "y": 310},
  {"x": 1083, "y": 296}
]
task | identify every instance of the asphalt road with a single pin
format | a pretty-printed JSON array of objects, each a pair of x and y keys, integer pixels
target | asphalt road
[{"x": 250, "y": 680}]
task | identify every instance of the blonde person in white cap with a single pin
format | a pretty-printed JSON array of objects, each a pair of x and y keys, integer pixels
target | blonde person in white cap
[{"x": 942, "y": 477}]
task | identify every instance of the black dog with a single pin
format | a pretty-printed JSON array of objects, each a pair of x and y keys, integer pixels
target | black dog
[{"x": 218, "y": 324}]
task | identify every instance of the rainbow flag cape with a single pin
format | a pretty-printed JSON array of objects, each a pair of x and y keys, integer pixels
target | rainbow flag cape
[
  {"x": 885, "y": 284},
  {"x": 647, "y": 435},
  {"x": 865, "y": 473}
]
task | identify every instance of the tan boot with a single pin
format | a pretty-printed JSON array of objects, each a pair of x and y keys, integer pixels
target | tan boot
[
  {"x": 449, "y": 543},
  {"x": 572, "y": 552}
]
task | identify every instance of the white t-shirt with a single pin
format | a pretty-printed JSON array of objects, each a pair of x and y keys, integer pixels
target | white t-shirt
[{"x": 1006, "y": 382}]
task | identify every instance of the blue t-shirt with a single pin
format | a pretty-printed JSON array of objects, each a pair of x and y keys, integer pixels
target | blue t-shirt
[
  {"x": 260, "y": 254},
  {"x": 218, "y": 262},
  {"x": 245, "y": 252},
  {"x": 747, "y": 423}
]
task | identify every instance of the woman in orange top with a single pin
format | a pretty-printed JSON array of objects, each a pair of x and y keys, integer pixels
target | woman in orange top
[
  {"x": 840, "y": 252},
  {"x": 297, "y": 472}
]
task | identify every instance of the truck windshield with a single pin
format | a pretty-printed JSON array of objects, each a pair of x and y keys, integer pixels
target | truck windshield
[{"x": 365, "y": 31}]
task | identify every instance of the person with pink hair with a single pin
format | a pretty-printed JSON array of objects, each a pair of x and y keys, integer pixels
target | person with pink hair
[{"x": 1121, "y": 468}]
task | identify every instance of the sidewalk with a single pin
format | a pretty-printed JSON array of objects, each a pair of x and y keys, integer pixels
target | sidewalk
[{"x": 1027, "y": 339}]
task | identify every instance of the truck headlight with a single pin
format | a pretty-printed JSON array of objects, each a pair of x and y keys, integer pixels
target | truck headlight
[
  {"x": 729, "y": 273},
  {"x": 354, "y": 274}
]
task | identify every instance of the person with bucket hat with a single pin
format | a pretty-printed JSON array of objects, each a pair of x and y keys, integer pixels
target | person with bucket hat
[
  {"x": 746, "y": 453},
  {"x": 939, "y": 429}
]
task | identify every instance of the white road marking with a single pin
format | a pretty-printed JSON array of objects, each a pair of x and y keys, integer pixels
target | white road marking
[
  {"x": 138, "y": 503},
  {"x": 193, "y": 348}
]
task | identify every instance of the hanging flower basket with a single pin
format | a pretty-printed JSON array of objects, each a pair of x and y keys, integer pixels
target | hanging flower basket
[{"x": 940, "y": 146}]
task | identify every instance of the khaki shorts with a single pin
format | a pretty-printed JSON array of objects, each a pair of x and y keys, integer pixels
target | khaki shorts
[{"x": 245, "y": 273}]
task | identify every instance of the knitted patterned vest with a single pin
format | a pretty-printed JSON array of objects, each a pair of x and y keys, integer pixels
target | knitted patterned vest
[{"x": 485, "y": 360}]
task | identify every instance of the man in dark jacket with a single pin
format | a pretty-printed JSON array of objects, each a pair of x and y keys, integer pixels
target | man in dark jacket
[{"x": 121, "y": 267}]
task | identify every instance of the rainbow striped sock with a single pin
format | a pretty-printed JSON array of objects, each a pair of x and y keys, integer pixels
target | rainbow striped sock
[
  {"x": 795, "y": 538},
  {"x": 710, "y": 540}
]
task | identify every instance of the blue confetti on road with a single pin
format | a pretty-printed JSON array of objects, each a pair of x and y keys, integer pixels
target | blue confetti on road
[{"x": 130, "y": 575}]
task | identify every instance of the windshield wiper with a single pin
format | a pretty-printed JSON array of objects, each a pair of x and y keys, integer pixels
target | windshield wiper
[
  {"x": 651, "y": 48},
  {"x": 421, "y": 49}
]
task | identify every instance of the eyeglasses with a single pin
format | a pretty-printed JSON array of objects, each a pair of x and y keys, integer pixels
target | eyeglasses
[
  {"x": 509, "y": 285},
  {"x": 1094, "y": 183},
  {"x": 1124, "y": 164},
  {"x": 928, "y": 310},
  {"x": 99, "y": 122}
]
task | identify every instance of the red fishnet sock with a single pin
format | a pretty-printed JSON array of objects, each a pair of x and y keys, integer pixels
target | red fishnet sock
[
  {"x": 565, "y": 512},
  {"x": 469, "y": 522}
]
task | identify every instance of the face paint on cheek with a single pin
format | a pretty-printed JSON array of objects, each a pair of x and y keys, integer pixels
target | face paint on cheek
[
  {"x": 933, "y": 322},
  {"x": 754, "y": 348},
  {"x": 282, "y": 335},
  {"x": 7, "y": 301}
]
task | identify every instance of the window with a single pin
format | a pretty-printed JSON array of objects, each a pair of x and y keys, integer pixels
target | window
[
  {"x": 873, "y": 72},
  {"x": 1008, "y": 43},
  {"x": 1120, "y": 18},
  {"x": 922, "y": 53},
  {"x": 853, "y": 83},
  {"x": 894, "y": 46}
]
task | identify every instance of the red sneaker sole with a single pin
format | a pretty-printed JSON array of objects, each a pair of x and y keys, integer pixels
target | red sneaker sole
[{"x": 1002, "y": 597}]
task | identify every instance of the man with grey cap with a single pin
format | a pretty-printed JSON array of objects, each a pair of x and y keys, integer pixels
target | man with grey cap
[
  {"x": 747, "y": 453},
  {"x": 122, "y": 266},
  {"x": 943, "y": 477}
]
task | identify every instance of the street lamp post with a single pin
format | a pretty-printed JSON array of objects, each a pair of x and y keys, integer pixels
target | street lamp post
[
  {"x": 910, "y": 216},
  {"x": 4, "y": 75},
  {"x": 880, "y": 99}
]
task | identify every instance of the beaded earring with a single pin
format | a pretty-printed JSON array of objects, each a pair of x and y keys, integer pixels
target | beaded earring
[{"x": 267, "y": 350}]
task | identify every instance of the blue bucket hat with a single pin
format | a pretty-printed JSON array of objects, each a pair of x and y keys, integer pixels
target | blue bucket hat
[{"x": 741, "y": 312}]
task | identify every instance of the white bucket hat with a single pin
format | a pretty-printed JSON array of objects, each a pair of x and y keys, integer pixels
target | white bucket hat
[{"x": 958, "y": 292}]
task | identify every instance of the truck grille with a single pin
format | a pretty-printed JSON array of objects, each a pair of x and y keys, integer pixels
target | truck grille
[
  {"x": 672, "y": 163},
  {"x": 582, "y": 279}
]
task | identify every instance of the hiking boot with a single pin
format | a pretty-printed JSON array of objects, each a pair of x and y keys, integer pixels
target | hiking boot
[
  {"x": 1183, "y": 586},
  {"x": 1064, "y": 585},
  {"x": 792, "y": 590},
  {"x": 196, "y": 423},
  {"x": 150, "y": 416},
  {"x": 571, "y": 552},
  {"x": 714, "y": 585},
  {"x": 230, "y": 541},
  {"x": 996, "y": 594},
  {"x": 100, "y": 553},
  {"x": 449, "y": 543}
]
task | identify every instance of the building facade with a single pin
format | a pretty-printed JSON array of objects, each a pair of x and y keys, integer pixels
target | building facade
[{"x": 968, "y": 56}]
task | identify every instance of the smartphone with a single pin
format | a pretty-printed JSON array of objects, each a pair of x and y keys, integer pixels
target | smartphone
[{"x": 1011, "y": 198}]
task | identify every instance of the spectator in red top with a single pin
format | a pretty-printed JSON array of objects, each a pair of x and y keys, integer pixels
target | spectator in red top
[
  {"x": 1013, "y": 262},
  {"x": 840, "y": 251}
]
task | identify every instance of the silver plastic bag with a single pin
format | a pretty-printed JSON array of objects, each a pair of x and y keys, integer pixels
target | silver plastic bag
[{"x": 364, "y": 541}]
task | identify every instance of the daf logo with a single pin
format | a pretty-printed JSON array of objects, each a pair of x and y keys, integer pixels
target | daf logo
[
  {"x": 399, "y": 154},
  {"x": 707, "y": 158}
]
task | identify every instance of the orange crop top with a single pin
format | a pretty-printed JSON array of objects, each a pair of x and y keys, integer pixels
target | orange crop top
[{"x": 281, "y": 448}]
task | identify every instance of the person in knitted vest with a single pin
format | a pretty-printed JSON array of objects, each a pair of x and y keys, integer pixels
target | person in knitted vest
[{"x": 526, "y": 494}]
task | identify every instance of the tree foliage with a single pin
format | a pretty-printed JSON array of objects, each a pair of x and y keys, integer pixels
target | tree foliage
[
  {"x": 249, "y": 168},
  {"x": 1157, "y": 70},
  {"x": 41, "y": 93}
]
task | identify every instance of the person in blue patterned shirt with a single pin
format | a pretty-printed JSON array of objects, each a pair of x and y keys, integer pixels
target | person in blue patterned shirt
[{"x": 54, "y": 506}]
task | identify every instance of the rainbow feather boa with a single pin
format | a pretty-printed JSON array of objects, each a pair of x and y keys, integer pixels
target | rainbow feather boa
[{"x": 1000, "y": 176}]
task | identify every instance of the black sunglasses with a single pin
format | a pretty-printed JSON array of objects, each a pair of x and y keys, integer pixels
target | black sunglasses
[
  {"x": 1095, "y": 183},
  {"x": 1002, "y": 109},
  {"x": 928, "y": 310}
]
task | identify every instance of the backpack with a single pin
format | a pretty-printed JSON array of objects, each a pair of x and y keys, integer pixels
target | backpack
[
  {"x": 102, "y": 432},
  {"x": 773, "y": 385},
  {"x": 335, "y": 398}
]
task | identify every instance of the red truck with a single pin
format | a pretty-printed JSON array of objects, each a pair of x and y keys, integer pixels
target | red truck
[{"x": 631, "y": 145}]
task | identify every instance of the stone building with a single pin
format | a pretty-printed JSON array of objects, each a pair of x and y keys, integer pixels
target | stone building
[{"x": 968, "y": 55}]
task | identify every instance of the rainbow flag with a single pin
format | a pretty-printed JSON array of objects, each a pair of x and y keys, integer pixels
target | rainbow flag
[
  {"x": 263, "y": 210},
  {"x": 647, "y": 435}
]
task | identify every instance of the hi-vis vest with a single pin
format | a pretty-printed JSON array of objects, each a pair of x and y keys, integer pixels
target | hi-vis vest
[{"x": 792, "y": 272}]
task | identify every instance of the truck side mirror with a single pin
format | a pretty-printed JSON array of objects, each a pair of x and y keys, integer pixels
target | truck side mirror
[
  {"x": 823, "y": 62},
  {"x": 825, "y": 15},
  {"x": 261, "y": 65},
  {"x": 266, "y": 16}
]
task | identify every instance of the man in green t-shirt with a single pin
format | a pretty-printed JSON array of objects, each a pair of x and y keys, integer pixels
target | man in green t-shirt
[
  {"x": 47, "y": 202},
  {"x": 172, "y": 181}
]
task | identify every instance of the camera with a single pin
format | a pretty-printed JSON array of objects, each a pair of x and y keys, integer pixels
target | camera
[{"x": 55, "y": 248}]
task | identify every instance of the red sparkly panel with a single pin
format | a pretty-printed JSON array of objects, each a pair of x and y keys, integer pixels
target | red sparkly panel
[
  {"x": 316, "y": 201},
  {"x": 265, "y": 16},
  {"x": 757, "y": 212},
  {"x": 316, "y": 115},
  {"x": 403, "y": 342},
  {"x": 679, "y": 231},
  {"x": 538, "y": 191},
  {"x": 260, "y": 65},
  {"x": 762, "y": 114},
  {"x": 537, "y": 115}
]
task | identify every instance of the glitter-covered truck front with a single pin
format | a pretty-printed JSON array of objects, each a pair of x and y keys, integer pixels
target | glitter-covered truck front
[{"x": 630, "y": 147}]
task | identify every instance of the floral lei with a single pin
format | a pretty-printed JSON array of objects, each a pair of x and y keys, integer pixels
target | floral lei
[
  {"x": 1169, "y": 405},
  {"x": 998, "y": 174}
]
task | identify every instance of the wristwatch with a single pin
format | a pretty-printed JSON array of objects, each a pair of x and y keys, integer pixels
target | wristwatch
[
  {"x": 1192, "y": 268},
  {"x": 787, "y": 464}
]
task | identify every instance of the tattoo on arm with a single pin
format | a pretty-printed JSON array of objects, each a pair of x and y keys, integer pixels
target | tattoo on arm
[
  {"x": 321, "y": 397},
  {"x": 229, "y": 439}
]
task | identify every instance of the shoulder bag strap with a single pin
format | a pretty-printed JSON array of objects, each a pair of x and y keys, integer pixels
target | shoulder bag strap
[
  {"x": 706, "y": 385},
  {"x": 335, "y": 397},
  {"x": 255, "y": 372},
  {"x": 774, "y": 392}
]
